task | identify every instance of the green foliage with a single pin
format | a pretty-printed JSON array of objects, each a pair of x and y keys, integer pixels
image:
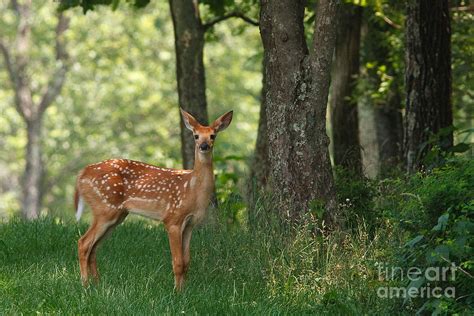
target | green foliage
[
  {"x": 355, "y": 195},
  {"x": 450, "y": 245},
  {"x": 463, "y": 65},
  {"x": 381, "y": 54},
  {"x": 434, "y": 212},
  {"x": 232, "y": 208},
  {"x": 222, "y": 7},
  {"x": 418, "y": 201},
  {"x": 441, "y": 149}
]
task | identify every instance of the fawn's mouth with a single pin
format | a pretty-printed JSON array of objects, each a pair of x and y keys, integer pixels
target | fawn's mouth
[{"x": 205, "y": 151}]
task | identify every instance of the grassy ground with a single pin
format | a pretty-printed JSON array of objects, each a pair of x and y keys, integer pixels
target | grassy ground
[{"x": 233, "y": 271}]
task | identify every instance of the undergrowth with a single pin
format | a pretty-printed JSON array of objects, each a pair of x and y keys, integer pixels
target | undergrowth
[{"x": 259, "y": 266}]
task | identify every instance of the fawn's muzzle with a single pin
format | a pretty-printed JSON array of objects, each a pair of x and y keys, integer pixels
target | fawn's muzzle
[{"x": 204, "y": 147}]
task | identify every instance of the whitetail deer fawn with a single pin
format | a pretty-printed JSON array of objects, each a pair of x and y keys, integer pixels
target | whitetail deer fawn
[{"x": 116, "y": 187}]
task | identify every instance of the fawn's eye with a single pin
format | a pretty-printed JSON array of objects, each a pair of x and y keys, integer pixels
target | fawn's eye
[
  {"x": 196, "y": 136},
  {"x": 213, "y": 136}
]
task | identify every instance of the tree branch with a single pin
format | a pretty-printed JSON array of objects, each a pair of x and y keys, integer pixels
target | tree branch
[
  {"x": 236, "y": 14},
  {"x": 468, "y": 8},
  {"x": 58, "y": 77},
  {"x": 23, "y": 97},
  {"x": 388, "y": 21},
  {"x": 8, "y": 62},
  {"x": 11, "y": 73}
]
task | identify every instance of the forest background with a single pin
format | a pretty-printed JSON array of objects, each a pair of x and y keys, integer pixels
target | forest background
[{"x": 107, "y": 81}]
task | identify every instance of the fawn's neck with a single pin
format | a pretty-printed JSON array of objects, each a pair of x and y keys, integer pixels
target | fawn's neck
[{"x": 203, "y": 166}]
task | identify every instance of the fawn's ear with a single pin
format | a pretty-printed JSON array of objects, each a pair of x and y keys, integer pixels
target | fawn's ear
[
  {"x": 222, "y": 122},
  {"x": 191, "y": 123}
]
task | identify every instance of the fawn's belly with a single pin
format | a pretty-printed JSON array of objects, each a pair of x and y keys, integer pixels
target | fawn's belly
[
  {"x": 150, "y": 214},
  {"x": 155, "y": 210}
]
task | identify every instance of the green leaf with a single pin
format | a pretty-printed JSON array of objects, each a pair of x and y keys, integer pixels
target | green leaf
[
  {"x": 442, "y": 223},
  {"x": 115, "y": 4},
  {"x": 438, "y": 254},
  {"x": 463, "y": 227},
  {"x": 414, "y": 241}
]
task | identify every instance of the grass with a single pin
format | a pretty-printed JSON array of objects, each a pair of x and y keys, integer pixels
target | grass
[{"x": 233, "y": 271}]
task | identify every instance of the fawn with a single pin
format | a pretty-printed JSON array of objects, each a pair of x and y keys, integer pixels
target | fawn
[{"x": 179, "y": 198}]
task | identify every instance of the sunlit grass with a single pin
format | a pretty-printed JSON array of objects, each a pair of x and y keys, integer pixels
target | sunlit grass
[{"x": 232, "y": 272}]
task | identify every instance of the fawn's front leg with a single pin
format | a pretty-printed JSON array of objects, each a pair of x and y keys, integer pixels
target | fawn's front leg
[
  {"x": 186, "y": 247},
  {"x": 176, "y": 245}
]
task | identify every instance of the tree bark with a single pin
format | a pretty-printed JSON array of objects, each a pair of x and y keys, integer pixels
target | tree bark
[
  {"x": 189, "y": 44},
  {"x": 33, "y": 171},
  {"x": 344, "y": 117},
  {"x": 296, "y": 100},
  {"x": 322, "y": 52},
  {"x": 428, "y": 78}
]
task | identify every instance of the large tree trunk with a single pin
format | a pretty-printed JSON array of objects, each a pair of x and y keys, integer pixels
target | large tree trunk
[
  {"x": 33, "y": 171},
  {"x": 344, "y": 118},
  {"x": 428, "y": 77},
  {"x": 189, "y": 43},
  {"x": 296, "y": 100}
]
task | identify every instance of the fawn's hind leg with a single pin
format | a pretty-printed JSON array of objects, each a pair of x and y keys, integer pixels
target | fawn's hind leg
[
  {"x": 103, "y": 219},
  {"x": 84, "y": 248},
  {"x": 93, "y": 255}
]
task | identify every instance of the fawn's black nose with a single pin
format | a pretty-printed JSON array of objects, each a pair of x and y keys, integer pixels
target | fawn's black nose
[{"x": 204, "y": 147}]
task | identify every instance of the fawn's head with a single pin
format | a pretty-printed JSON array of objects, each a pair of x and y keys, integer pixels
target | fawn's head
[{"x": 204, "y": 136}]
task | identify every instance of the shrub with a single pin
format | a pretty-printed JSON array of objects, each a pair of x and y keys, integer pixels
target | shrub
[{"x": 434, "y": 215}]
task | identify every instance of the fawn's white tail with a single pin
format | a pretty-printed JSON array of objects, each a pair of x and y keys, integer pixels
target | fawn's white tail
[{"x": 80, "y": 208}]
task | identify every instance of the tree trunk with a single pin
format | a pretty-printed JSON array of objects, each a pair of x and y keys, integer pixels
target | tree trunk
[
  {"x": 428, "y": 78},
  {"x": 33, "y": 171},
  {"x": 344, "y": 117},
  {"x": 189, "y": 44},
  {"x": 296, "y": 100},
  {"x": 368, "y": 138},
  {"x": 389, "y": 127},
  {"x": 382, "y": 135},
  {"x": 324, "y": 41}
]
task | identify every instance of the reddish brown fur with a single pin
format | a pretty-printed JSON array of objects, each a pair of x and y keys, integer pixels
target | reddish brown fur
[{"x": 116, "y": 187}]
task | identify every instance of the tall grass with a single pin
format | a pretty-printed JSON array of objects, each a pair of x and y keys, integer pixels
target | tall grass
[{"x": 233, "y": 271}]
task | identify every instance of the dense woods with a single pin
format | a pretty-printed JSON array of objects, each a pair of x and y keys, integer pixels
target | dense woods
[{"x": 351, "y": 140}]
